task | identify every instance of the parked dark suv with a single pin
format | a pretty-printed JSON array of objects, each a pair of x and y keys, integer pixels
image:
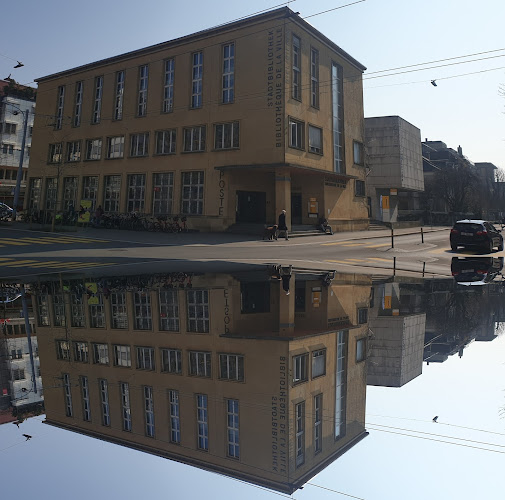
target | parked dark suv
[
  {"x": 476, "y": 270},
  {"x": 475, "y": 234}
]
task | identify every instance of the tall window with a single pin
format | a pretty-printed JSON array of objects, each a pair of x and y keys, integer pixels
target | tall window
[
  {"x": 145, "y": 358},
  {"x": 175, "y": 421},
  {"x": 192, "y": 193},
  {"x": 96, "y": 311},
  {"x": 357, "y": 149},
  {"x": 136, "y": 192},
  {"x": 58, "y": 308},
  {"x": 359, "y": 188},
  {"x": 296, "y": 134},
  {"x": 314, "y": 78},
  {"x": 318, "y": 423},
  {"x": 300, "y": 371},
  {"x": 118, "y": 310},
  {"x": 51, "y": 192},
  {"x": 149, "y": 410},
  {"x": 360, "y": 350},
  {"x": 163, "y": 187},
  {"x": 69, "y": 192},
  {"x": 165, "y": 142},
  {"x": 35, "y": 192},
  {"x": 115, "y": 147},
  {"x": 93, "y": 149},
  {"x": 55, "y": 153},
  {"x": 202, "y": 419},
  {"x": 67, "y": 391},
  {"x": 171, "y": 361},
  {"x": 122, "y": 355},
  {"x": 73, "y": 151},
  {"x": 318, "y": 363},
  {"x": 77, "y": 313},
  {"x": 125, "y": 406},
  {"x": 81, "y": 352},
  {"x": 86, "y": 407},
  {"x": 228, "y": 73},
  {"x": 231, "y": 367},
  {"x": 315, "y": 140},
  {"x": 232, "y": 424},
  {"x": 139, "y": 144},
  {"x": 112, "y": 192},
  {"x": 78, "y": 103},
  {"x": 169, "y": 310},
  {"x": 300, "y": 433},
  {"x": 118, "y": 98},
  {"x": 340, "y": 384},
  {"x": 199, "y": 364},
  {"x": 194, "y": 139},
  {"x": 59, "y": 107},
  {"x": 297, "y": 64},
  {"x": 143, "y": 82},
  {"x": 90, "y": 189},
  {"x": 198, "y": 311},
  {"x": 42, "y": 309},
  {"x": 142, "y": 305},
  {"x": 168, "y": 87},
  {"x": 101, "y": 354},
  {"x": 104, "y": 401},
  {"x": 196, "y": 80},
  {"x": 226, "y": 135},
  {"x": 97, "y": 102},
  {"x": 337, "y": 117}
]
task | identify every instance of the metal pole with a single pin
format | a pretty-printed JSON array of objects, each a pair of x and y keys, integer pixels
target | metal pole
[
  {"x": 422, "y": 236},
  {"x": 424, "y": 268},
  {"x": 392, "y": 238},
  {"x": 29, "y": 337},
  {"x": 20, "y": 168},
  {"x": 394, "y": 266}
]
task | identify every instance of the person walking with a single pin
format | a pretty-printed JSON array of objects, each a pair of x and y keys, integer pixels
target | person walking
[{"x": 282, "y": 224}]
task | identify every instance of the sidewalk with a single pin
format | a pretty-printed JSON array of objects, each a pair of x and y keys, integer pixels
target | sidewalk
[{"x": 200, "y": 238}]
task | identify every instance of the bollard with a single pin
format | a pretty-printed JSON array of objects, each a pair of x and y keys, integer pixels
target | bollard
[
  {"x": 392, "y": 238},
  {"x": 422, "y": 236},
  {"x": 394, "y": 266},
  {"x": 424, "y": 267}
]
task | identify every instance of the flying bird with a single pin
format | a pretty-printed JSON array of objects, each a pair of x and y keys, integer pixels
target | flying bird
[
  {"x": 435, "y": 419},
  {"x": 434, "y": 83},
  {"x": 18, "y": 65},
  {"x": 27, "y": 436}
]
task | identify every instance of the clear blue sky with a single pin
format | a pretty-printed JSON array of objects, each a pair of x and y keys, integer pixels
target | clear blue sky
[{"x": 467, "y": 110}]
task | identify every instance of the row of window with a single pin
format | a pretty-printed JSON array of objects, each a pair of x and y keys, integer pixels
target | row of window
[
  {"x": 226, "y": 136},
  {"x": 196, "y": 99},
  {"x": 197, "y": 310},
  {"x": 10, "y": 128},
  {"x": 232, "y": 412},
  {"x": 12, "y": 174},
  {"x": 231, "y": 366}
]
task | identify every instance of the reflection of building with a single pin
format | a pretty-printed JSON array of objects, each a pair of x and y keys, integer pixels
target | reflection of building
[
  {"x": 18, "y": 394},
  {"x": 396, "y": 351},
  {"x": 396, "y": 169},
  {"x": 228, "y": 125},
  {"x": 14, "y": 101},
  {"x": 230, "y": 374}
]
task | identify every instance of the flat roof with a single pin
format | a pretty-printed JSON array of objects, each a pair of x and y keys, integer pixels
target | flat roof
[{"x": 283, "y": 12}]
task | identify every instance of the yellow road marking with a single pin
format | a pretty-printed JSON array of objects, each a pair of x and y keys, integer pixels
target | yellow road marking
[
  {"x": 12, "y": 241},
  {"x": 352, "y": 244},
  {"x": 331, "y": 244},
  {"x": 338, "y": 261},
  {"x": 17, "y": 263},
  {"x": 358, "y": 260},
  {"x": 378, "y": 258},
  {"x": 48, "y": 263},
  {"x": 36, "y": 240},
  {"x": 377, "y": 246}
]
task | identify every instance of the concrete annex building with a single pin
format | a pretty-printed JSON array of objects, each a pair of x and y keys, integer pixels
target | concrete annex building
[
  {"x": 230, "y": 374},
  {"x": 228, "y": 125}
]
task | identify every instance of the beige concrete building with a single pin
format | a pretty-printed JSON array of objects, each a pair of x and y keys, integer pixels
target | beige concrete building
[
  {"x": 230, "y": 375},
  {"x": 227, "y": 126}
]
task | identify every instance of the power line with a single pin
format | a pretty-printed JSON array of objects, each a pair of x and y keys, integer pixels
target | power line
[
  {"x": 334, "y": 491},
  {"x": 335, "y": 8}
]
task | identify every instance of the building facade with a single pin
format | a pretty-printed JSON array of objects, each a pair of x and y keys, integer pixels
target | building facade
[
  {"x": 220, "y": 371},
  {"x": 395, "y": 179},
  {"x": 15, "y": 100},
  {"x": 226, "y": 126}
]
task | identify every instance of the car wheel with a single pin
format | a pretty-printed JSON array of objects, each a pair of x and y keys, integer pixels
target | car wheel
[
  {"x": 454, "y": 248},
  {"x": 490, "y": 247},
  {"x": 500, "y": 246}
]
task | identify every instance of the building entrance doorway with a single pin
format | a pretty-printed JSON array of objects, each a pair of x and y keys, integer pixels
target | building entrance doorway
[
  {"x": 251, "y": 207},
  {"x": 296, "y": 208}
]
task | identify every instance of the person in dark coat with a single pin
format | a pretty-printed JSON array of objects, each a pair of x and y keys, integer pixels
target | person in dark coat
[{"x": 282, "y": 224}]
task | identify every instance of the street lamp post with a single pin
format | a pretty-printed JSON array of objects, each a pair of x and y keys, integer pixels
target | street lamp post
[{"x": 21, "y": 158}]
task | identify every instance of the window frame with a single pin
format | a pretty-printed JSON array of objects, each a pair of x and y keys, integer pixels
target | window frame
[
  {"x": 361, "y": 352},
  {"x": 234, "y": 373},
  {"x": 142, "y": 92},
  {"x": 192, "y": 144},
  {"x": 119, "y": 85},
  {"x": 232, "y": 129},
  {"x": 168, "y": 85},
  {"x": 300, "y": 368},
  {"x": 92, "y": 146},
  {"x": 100, "y": 353},
  {"x": 160, "y": 139},
  {"x": 358, "y": 149},
  {"x": 145, "y": 363},
  {"x": 193, "y": 205},
  {"x": 300, "y": 133},
  {"x": 228, "y": 75},
  {"x": 166, "y": 360},
  {"x": 313, "y": 149},
  {"x": 296, "y": 66},
  {"x": 79, "y": 89},
  {"x": 312, "y": 356},
  {"x": 198, "y": 360},
  {"x": 196, "y": 101},
  {"x": 359, "y": 188},
  {"x": 174, "y": 414},
  {"x": 233, "y": 428},
  {"x": 139, "y": 145},
  {"x": 97, "y": 100},
  {"x": 113, "y": 143},
  {"x": 314, "y": 78},
  {"x": 122, "y": 356}
]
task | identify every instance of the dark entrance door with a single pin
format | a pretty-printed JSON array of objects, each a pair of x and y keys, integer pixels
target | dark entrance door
[
  {"x": 296, "y": 208},
  {"x": 251, "y": 207}
]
